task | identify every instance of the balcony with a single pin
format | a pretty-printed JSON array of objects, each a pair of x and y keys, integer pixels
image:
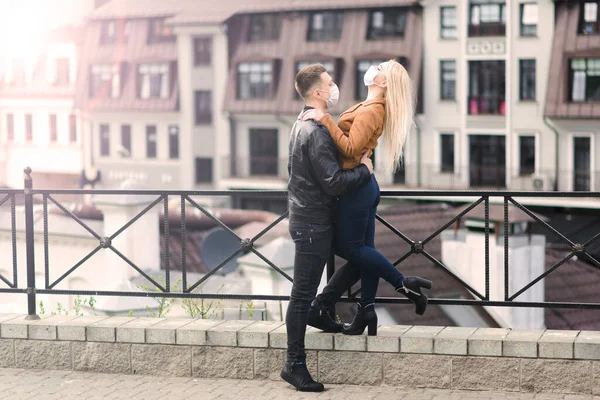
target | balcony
[
  {"x": 491, "y": 29},
  {"x": 258, "y": 167},
  {"x": 487, "y": 105}
]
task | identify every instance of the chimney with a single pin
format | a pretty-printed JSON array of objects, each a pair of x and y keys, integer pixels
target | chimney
[{"x": 463, "y": 252}]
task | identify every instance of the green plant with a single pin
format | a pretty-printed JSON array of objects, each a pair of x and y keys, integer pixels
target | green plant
[
  {"x": 164, "y": 303},
  {"x": 42, "y": 310},
  {"x": 130, "y": 313},
  {"x": 78, "y": 303},
  {"x": 92, "y": 304},
  {"x": 60, "y": 310},
  {"x": 202, "y": 308},
  {"x": 250, "y": 308}
]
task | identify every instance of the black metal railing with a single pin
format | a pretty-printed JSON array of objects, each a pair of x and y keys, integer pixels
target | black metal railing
[
  {"x": 417, "y": 246},
  {"x": 487, "y": 29}
]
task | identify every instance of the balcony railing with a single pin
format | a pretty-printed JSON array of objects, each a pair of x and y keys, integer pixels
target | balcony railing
[
  {"x": 54, "y": 285},
  {"x": 487, "y": 105},
  {"x": 497, "y": 29}
]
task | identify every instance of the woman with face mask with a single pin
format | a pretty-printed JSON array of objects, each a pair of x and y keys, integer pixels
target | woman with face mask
[{"x": 387, "y": 113}]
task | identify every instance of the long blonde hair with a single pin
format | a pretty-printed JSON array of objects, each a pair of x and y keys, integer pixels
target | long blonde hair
[{"x": 399, "y": 114}]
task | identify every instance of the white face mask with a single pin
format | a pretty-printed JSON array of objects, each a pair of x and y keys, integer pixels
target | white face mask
[
  {"x": 370, "y": 75},
  {"x": 334, "y": 96}
]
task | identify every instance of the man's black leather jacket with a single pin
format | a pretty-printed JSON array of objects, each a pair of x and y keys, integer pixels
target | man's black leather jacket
[{"x": 316, "y": 178}]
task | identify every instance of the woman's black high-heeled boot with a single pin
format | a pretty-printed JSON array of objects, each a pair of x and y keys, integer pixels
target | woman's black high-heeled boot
[
  {"x": 411, "y": 288},
  {"x": 365, "y": 317}
]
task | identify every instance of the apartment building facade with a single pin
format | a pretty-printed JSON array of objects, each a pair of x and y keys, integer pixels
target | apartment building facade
[
  {"x": 150, "y": 96},
  {"x": 485, "y": 77}
]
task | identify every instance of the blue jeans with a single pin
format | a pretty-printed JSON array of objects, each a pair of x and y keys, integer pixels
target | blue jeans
[{"x": 355, "y": 239}]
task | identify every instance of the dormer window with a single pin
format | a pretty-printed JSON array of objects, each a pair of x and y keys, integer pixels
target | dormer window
[
  {"x": 159, "y": 32},
  {"x": 389, "y": 23},
  {"x": 114, "y": 31},
  {"x": 255, "y": 80},
  {"x": 105, "y": 80},
  {"x": 585, "y": 79},
  {"x": 325, "y": 26},
  {"x": 589, "y": 17},
  {"x": 153, "y": 81},
  {"x": 264, "y": 27}
]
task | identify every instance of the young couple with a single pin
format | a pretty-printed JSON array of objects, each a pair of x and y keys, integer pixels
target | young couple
[{"x": 327, "y": 161}]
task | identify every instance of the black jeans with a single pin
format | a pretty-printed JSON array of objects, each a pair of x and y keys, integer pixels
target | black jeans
[{"x": 313, "y": 247}]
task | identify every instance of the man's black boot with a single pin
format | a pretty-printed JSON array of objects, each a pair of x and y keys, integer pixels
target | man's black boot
[
  {"x": 318, "y": 317},
  {"x": 297, "y": 375}
]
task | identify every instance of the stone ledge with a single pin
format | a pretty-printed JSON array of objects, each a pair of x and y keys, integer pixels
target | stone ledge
[{"x": 467, "y": 358}]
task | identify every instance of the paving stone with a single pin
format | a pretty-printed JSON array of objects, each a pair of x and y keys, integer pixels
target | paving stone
[
  {"x": 223, "y": 362},
  {"x": 316, "y": 339},
  {"x": 350, "y": 342},
  {"x": 387, "y": 339},
  {"x": 256, "y": 334},
  {"x": 417, "y": 371},
  {"x": 164, "y": 332},
  {"x": 587, "y": 345},
  {"x": 486, "y": 373},
  {"x": 114, "y": 358},
  {"x": 522, "y": 343},
  {"x": 350, "y": 367},
  {"x": 75, "y": 329},
  {"x": 556, "y": 376},
  {"x": 419, "y": 339},
  {"x": 135, "y": 331},
  {"x": 47, "y": 328},
  {"x": 452, "y": 340},
  {"x": 225, "y": 334},
  {"x": 194, "y": 333},
  {"x": 161, "y": 360},
  {"x": 105, "y": 330},
  {"x": 268, "y": 363},
  {"x": 557, "y": 344},
  {"x": 487, "y": 342},
  {"x": 42, "y": 354}
]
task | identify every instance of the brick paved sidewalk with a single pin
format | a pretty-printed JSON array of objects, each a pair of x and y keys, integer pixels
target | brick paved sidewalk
[{"x": 20, "y": 384}]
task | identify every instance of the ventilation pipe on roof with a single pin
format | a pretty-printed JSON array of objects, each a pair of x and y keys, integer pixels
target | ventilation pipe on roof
[{"x": 556, "y": 155}]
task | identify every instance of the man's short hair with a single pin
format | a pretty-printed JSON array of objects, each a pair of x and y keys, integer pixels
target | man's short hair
[{"x": 307, "y": 78}]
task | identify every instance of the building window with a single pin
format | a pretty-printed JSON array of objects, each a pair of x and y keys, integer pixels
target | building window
[
  {"x": 585, "y": 79},
  {"x": 448, "y": 23},
  {"x": 204, "y": 170},
  {"x": 112, "y": 32},
  {"x": 104, "y": 140},
  {"x": 28, "y": 128},
  {"x": 202, "y": 51},
  {"x": 153, "y": 81},
  {"x": 125, "y": 150},
  {"x": 173, "y": 142},
  {"x": 159, "y": 32},
  {"x": 63, "y": 73},
  {"x": 589, "y": 17},
  {"x": 53, "y": 128},
  {"x": 255, "y": 80},
  {"x": 329, "y": 66},
  {"x": 448, "y": 83},
  {"x": 203, "y": 100},
  {"x": 10, "y": 127},
  {"x": 388, "y": 23},
  {"x": 264, "y": 145},
  {"x": 264, "y": 27},
  {"x": 72, "y": 128},
  {"x": 151, "y": 140},
  {"x": 447, "y": 152},
  {"x": 105, "y": 81},
  {"x": 527, "y": 79},
  {"x": 487, "y": 81},
  {"x": 526, "y": 155},
  {"x": 325, "y": 26},
  {"x": 361, "y": 68},
  {"x": 488, "y": 19},
  {"x": 582, "y": 163},
  {"x": 529, "y": 19}
]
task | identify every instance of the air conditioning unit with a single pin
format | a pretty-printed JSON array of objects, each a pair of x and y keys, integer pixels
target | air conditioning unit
[{"x": 541, "y": 182}]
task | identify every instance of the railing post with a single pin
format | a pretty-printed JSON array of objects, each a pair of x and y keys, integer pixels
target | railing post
[
  {"x": 30, "y": 247},
  {"x": 330, "y": 272}
]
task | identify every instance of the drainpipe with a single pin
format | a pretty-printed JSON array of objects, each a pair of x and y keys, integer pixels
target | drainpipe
[
  {"x": 418, "y": 130},
  {"x": 556, "y": 162}
]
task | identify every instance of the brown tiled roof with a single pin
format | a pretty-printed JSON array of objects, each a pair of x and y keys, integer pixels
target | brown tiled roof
[
  {"x": 130, "y": 54},
  {"x": 292, "y": 47},
  {"x": 568, "y": 44}
]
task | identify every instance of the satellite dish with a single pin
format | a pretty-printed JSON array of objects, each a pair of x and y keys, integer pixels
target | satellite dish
[{"x": 216, "y": 247}]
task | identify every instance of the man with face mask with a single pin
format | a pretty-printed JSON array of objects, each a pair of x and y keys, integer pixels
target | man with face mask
[{"x": 316, "y": 180}]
